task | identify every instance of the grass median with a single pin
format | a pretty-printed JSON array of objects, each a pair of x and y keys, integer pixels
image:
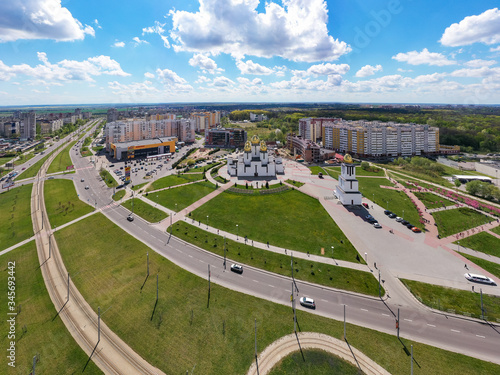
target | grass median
[
  {"x": 462, "y": 302},
  {"x": 62, "y": 202},
  {"x": 15, "y": 216},
  {"x": 33, "y": 170},
  {"x": 39, "y": 331},
  {"x": 458, "y": 220},
  {"x": 107, "y": 178},
  {"x": 174, "y": 180},
  {"x": 181, "y": 197},
  {"x": 215, "y": 338},
  {"x": 119, "y": 195},
  {"x": 62, "y": 160},
  {"x": 144, "y": 210},
  {"x": 314, "y": 272},
  {"x": 482, "y": 242},
  {"x": 431, "y": 200}
]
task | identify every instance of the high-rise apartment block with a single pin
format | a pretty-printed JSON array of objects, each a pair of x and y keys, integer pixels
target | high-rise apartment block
[
  {"x": 112, "y": 115},
  {"x": 205, "y": 120},
  {"x": 371, "y": 138},
  {"x": 225, "y": 138},
  {"x": 27, "y": 128}
]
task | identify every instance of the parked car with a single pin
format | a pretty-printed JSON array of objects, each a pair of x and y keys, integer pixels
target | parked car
[
  {"x": 392, "y": 216},
  {"x": 307, "y": 302},
  {"x": 404, "y": 222},
  {"x": 377, "y": 225},
  {"x": 409, "y": 226},
  {"x": 479, "y": 278},
  {"x": 365, "y": 205},
  {"x": 237, "y": 268},
  {"x": 416, "y": 230},
  {"x": 399, "y": 219},
  {"x": 82, "y": 180},
  {"x": 387, "y": 212},
  {"x": 87, "y": 187}
]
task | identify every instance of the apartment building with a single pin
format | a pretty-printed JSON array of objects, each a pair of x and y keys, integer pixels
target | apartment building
[
  {"x": 205, "y": 120},
  {"x": 27, "y": 128},
  {"x": 49, "y": 126},
  {"x": 309, "y": 150},
  {"x": 372, "y": 138},
  {"x": 225, "y": 138}
]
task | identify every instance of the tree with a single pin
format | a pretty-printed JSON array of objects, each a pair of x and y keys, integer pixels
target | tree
[
  {"x": 458, "y": 183},
  {"x": 365, "y": 165}
]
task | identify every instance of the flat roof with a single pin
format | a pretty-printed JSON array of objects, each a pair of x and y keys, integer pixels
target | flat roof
[
  {"x": 468, "y": 177},
  {"x": 145, "y": 142}
]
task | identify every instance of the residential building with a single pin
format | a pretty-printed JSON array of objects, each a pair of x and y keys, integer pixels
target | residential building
[
  {"x": 112, "y": 115},
  {"x": 205, "y": 120},
  {"x": 225, "y": 138},
  {"x": 257, "y": 117},
  {"x": 27, "y": 128},
  {"x": 305, "y": 148}
]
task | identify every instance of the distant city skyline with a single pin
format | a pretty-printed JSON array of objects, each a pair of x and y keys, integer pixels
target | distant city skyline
[{"x": 396, "y": 51}]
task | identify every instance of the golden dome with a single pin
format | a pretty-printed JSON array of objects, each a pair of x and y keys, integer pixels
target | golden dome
[
  {"x": 255, "y": 139},
  {"x": 247, "y": 148},
  {"x": 347, "y": 158},
  {"x": 263, "y": 146}
]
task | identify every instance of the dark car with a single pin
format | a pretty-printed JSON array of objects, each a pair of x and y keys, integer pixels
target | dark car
[
  {"x": 387, "y": 212},
  {"x": 404, "y": 222},
  {"x": 392, "y": 216},
  {"x": 236, "y": 268},
  {"x": 111, "y": 165},
  {"x": 130, "y": 218},
  {"x": 120, "y": 186},
  {"x": 409, "y": 226}
]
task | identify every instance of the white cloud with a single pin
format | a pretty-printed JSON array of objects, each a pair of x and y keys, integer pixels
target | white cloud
[
  {"x": 478, "y": 63},
  {"x": 247, "y": 82},
  {"x": 149, "y": 75},
  {"x": 96, "y": 22},
  {"x": 495, "y": 49},
  {"x": 368, "y": 70},
  {"x": 205, "y": 63},
  {"x": 222, "y": 82},
  {"x": 172, "y": 81},
  {"x": 249, "y": 67},
  {"x": 119, "y": 44},
  {"x": 296, "y": 31},
  {"x": 157, "y": 29},
  {"x": 483, "y": 28},
  {"x": 424, "y": 57},
  {"x": 39, "y": 19},
  {"x": 65, "y": 70},
  {"x": 203, "y": 79},
  {"x": 323, "y": 70},
  {"x": 139, "y": 41},
  {"x": 476, "y": 72},
  {"x": 134, "y": 92}
]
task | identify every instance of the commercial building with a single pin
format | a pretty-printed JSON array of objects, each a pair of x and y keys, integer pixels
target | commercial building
[
  {"x": 143, "y": 148},
  {"x": 305, "y": 148},
  {"x": 371, "y": 138},
  {"x": 225, "y": 138}
]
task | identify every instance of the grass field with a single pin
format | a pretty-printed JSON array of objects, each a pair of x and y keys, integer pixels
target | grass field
[
  {"x": 144, "y": 210},
  {"x": 15, "y": 216},
  {"x": 37, "y": 332},
  {"x": 319, "y": 273},
  {"x": 295, "y": 183},
  {"x": 6, "y": 159},
  {"x": 395, "y": 201},
  {"x": 24, "y": 158},
  {"x": 139, "y": 186},
  {"x": 315, "y": 170},
  {"x": 275, "y": 218},
  {"x": 314, "y": 362},
  {"x": 458, "y": 220},
  {"x": 62, "y": 160},
  {"x": 108, "y": 178},
  {"x": 431, "y": 200},
  {"x": 496, "y": 230},
  {"x": 62, "y": 202},
  {"x": 119, "y": 195},
  {"x": 461, "y": 301},
  {"x": 174, "y": 180},
  {"x": 33, "y": 170},
  {"x": 183, "y": 333},
  {"x": 483, "y": 242},
  {"x": 181, "y": 197},
  {"x": 359, "y": 172},
  {"x": 491, "y": 267},
  {"x": 422, "y": 176}
]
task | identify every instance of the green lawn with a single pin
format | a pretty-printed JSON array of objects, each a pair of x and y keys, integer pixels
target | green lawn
[
  {"x": 333, "y": 172},
  {"x": 62, "y": 160},
  {"x": 359, "y": 172},
  {"x": 483, "y": 242},
  {"x": 184, "y": 333},
  {"x": 431, "y": 200},
  {"x": 491, "y": 267},
  {"x": 181, "y": 197},
  {"x": 15, "y": 216},
  {"x": 33, "y": 170},
  {"x": 174, "y": 180},
  {"x": 138, "y": 187},
  {"x": 395, "y": 201},
  {"x": 422, "y": 176},
  {"x": 314, "y": 272},
  {"x": 461, "y": 301},
  {"x": 62, "y": 202},
  {"x": 6, "y": 159},
  {"x": 146, "y": 211},
  {"x": 108, "y": 178},
  {"x": 458, "y": 220},
  {"x": 38, "y": 330},
  {"x": 314, "y": 362},
  {"x": 295, "y": 183},
  {"x": 291, "y": 220},
  {"x": 496, "y": 230},
  {"x": 24, "y": 158},
  {"x": 119, "y": 195},
  {"x": 315, "y": 170}
]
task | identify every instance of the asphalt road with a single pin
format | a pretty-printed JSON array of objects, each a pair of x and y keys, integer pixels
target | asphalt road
[{"x": 477, "y": 339}]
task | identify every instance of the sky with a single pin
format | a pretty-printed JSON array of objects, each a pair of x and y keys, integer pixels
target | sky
[{"x": 153, "y": 51}]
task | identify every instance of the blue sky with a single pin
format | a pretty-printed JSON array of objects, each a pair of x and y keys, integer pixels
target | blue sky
[{"x": 150, "y": 51}]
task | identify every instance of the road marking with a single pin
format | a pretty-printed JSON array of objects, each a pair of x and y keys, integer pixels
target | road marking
[
  {"x": 255, "y": 281},
  {"x": 189, "y": 255},
  {"x": 272, "y": 286},
  {"x": 431, "y": 325},
  {"x": 364, "y": 309},
  {"x": 454, "y": 330},
  {"x": 480, "y": 336},
  {"x": 324, "y": 300},
  {"x": 385, "y": 314},
  {"x": 408, "y": 320}
]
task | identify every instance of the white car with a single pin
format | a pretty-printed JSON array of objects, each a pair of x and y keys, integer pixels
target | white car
[
  {"x": 479, "y": 278},
  {"x": 377, "y": 225},
  {"x": 399, "y": 219},
  {"x": 307, "y": 302},
  {"x": 236, "y": 268}
]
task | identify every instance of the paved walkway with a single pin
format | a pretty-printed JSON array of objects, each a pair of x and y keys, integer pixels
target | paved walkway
[{"x": 286, "y": 345}]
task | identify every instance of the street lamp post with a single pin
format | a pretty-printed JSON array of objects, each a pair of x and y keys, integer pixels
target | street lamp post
[
  {"x": 387, "y": 205},
  {"x": 237, "y": 232},
  {"x": 333, "y": 247},
  {"x": 207, "y": 221},
  {"x": 403, "y": 214}
]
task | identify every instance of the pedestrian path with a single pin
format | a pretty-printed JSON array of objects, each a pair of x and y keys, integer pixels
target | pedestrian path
[{"x": 19, "y": 244}]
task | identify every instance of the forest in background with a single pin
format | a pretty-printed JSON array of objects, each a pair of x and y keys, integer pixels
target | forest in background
[{"x": 472, "y": 128}]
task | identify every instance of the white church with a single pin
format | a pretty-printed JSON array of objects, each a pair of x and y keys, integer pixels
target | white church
[
  {"x": 348, "y": 188},
  {"x": 255, "y": 161}
]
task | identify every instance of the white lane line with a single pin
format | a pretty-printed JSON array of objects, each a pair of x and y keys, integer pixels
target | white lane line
[
  {"x": 255, "y": 281},
  {"x": 189, "y": 255},
  {"x": 385, "y": 314},
  {"x": 408, "y": 320},
  {"x": 364, "y": 309},
  {"x": 324, "y": 300},
  {"x": 272, "y": 286},
  {"x": 431, "y": 325},
  {"x": 480, "y": 336},
  {"x": 454, "y": 330}
]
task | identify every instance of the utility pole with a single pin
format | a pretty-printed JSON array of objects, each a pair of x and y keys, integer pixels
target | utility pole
[
  {"x": 344, "y": 325},
  {"x": 209, "y": 279},
  {"x": 67, "y": 298},
  {"x": 34, "y": 365},
  {"x": 411, "y": 360},
  {"x": 397, "y": 323},
  {"x": 482, "y": 310},
  {"x": 224, "y": 252},
  {"x": 147, "y": 262},
  {"x": 379, "y": 289},
  {"x": 98, "y": 325},
  {"x": 256, "y": 362}
]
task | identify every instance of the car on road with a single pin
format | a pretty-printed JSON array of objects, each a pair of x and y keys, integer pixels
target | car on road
[
  {"x": 365, "y": 205},
  {"x": 387, "y": 212},
  {"x": 120, "y": 186},
  {"x": 51, "y": 178},
  {"x": 479, "y": 278},
  {"x": 377, "y": 225},
  {"x": 392, "y": 216},
  {"x": 111, "y": 165},
  {"x": 409, "y": 226},
  {"x": 87, "y": 187},
  {"x": 404, "y": 222},
  {"x": 237, "y": 268},
  {"x": 307, "y": 302},
  {"x": 399, "y": 219},
  {"x": 416, "y": 230},
  {"x": 82, "y": 180},
  {"x": 130, "y": 218}
]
